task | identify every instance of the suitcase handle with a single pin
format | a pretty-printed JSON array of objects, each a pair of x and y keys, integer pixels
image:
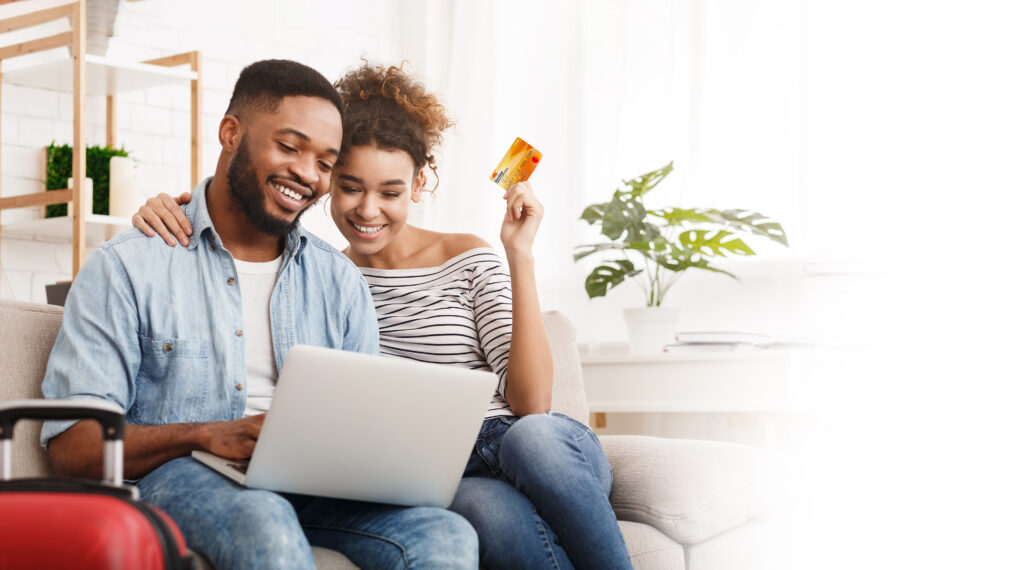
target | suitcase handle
[{"x": 110, "y": 416}]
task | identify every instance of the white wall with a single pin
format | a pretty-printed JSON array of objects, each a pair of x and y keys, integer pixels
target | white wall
[{"x": 154, "y": 124}]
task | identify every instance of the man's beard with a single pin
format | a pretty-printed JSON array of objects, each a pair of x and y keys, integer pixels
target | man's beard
[{"x": 245, "y": 188}]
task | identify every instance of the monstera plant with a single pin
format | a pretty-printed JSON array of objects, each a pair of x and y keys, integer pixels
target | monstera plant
[{"x": 657, "y": 246}]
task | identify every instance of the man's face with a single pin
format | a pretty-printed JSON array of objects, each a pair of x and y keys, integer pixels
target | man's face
[{"x": 282, "y": 165}]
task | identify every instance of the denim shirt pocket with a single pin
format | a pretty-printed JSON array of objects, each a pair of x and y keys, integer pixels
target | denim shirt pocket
[{"x": 173, "y": 383}]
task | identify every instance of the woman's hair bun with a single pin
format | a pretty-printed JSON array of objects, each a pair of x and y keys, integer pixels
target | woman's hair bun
[{"x": 384, "y": 106}]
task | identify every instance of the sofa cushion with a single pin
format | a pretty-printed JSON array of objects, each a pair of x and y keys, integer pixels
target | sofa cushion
[
  {"x": 650, "y": 549},
  {"x": 760, "y": 544},
  {"x": 693, "y": 490},
  {"x": 567, "y": 395},
  {"x": 26, "y": 336}
]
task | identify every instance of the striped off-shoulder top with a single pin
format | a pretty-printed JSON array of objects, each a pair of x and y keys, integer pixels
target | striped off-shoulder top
[{"x": 458, "y": 313}]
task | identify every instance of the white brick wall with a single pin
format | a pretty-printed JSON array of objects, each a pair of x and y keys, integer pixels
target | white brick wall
[{"x": 154, "y": 124}]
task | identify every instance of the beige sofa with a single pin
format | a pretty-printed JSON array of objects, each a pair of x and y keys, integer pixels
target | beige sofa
[{"x": 698, "y": 505}]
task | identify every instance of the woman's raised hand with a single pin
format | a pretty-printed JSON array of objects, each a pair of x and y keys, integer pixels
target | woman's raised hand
[
  {"x": 522, "y": 218},
  {"x": 163, "y": 215}
]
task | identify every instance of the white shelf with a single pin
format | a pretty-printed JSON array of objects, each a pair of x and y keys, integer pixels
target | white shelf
[
  {"x": 98, "y": 229},
  {"x": 710, "y": 406},
  {"x": 751, "y": 353},
  {"x": 103, "y": 76}
]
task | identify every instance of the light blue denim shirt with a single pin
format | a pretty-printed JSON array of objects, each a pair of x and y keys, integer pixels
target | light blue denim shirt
[{"x": 158, "y": 330}]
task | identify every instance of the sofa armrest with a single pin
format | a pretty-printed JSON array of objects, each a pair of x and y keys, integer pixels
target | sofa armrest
[{"x": 693, "y": 490}]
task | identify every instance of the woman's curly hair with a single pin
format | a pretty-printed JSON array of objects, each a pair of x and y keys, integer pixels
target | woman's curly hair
[{"x": 384, "y": 107}]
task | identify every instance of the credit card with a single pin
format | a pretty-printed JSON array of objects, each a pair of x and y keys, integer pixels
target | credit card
[{"x": 517, "y": 165}]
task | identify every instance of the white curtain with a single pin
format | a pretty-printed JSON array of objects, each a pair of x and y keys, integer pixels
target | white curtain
[
  {"x": 889, "y": 130},
  {"x": 608, "y": 90}
]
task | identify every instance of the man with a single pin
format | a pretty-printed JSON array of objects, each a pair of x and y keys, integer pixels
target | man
[{"x": 188, "y": 340}]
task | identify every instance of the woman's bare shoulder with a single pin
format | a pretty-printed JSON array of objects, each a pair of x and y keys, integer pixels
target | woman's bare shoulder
[
  {"x": 457, "y": 244},
  {"x": 435, "y": 248}
]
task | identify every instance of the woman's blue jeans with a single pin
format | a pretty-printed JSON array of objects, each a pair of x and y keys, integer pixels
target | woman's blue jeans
[
  {"x": 236, "y": 527},
  {"x": 536, "y": 491}
]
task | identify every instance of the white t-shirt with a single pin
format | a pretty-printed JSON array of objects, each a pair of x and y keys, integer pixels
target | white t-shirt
[{"x": 256, "y": 283}]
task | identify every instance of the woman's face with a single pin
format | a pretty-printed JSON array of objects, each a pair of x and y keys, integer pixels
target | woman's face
[{"x": 371, "y": 195}]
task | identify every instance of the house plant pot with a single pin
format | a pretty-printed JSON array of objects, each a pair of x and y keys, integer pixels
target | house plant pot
[
  {"x": 650, "y": 328},
  {"x": 657, "y": 246}
]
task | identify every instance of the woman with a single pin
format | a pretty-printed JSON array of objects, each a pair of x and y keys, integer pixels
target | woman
[{"x": 537, "y": 483}]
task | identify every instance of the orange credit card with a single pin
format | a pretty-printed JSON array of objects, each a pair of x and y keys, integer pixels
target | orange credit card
[{"x": 517, "y": 165}]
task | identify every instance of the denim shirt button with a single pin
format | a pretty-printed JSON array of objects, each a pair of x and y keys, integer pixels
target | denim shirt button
[
  {"x": 238, "y": 332},
  {"x": 231, "y": 280},
  {"x": 168, "y": 347},
  {"x": 211, "y": 247},
  {"x": 239, "y": 386}
]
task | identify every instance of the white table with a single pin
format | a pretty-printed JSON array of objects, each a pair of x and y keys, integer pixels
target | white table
[{"x": 736, "y": 381}]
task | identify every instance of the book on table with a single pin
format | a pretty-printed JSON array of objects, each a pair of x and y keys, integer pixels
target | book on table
[
  {"x": 707, "y": 347},
  {"x": 721, "y": 337}
]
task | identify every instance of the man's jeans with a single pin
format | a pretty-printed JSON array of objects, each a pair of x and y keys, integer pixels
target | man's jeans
[
  {"x": 236, "y": 527},
  {"x": 536, "y": 491}
]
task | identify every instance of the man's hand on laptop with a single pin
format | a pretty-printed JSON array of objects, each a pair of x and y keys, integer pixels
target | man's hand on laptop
[{"x": 234, "y": 439}]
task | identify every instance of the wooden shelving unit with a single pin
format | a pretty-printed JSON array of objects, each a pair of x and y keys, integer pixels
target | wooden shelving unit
[
  {"x": 103, "y": 76},
  {"x": 84, "y": 75},
  {"x": 98, "y": 229}
]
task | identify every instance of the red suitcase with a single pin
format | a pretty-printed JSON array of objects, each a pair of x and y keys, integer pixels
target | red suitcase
[{"x": 78, "y": 523}]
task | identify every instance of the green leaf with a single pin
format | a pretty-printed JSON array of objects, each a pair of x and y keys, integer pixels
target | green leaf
[
  {"x": 590, "y": 249},
  {"x": 593, "y": 212},
  {"x": 676, "y": 216},
  {"x": 624, "y": 215},
  {"x": 605, "y": 277},
  {"x": 742, "y": 220},
  {"x": 646, "y": 182},
  {"x": 644, "y": 246},
  {"x": 656, "y": 242},
  {"x": 694, "y": 261},
  {"x": 716, "y": 245},
  {"x": 754, "y": 223},
  {"x": 651, "y": 232}
]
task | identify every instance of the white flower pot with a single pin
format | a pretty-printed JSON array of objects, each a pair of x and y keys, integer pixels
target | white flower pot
[{"x": 651, "y": 328}]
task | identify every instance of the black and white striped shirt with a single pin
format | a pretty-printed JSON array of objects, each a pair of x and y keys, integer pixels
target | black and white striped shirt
[{"x": 458, "y": 313}]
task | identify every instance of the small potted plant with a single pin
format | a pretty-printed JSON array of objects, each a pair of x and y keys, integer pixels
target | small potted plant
[
  {"x": 97, "y": 168},
  {"x": 657, "y": 246}
]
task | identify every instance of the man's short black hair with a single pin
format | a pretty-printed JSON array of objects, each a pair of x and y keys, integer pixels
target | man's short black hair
[{"x": 262, "y": 85}]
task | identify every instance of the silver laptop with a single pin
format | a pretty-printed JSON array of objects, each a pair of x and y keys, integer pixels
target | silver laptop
[{"x": 369, "y": 428}]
